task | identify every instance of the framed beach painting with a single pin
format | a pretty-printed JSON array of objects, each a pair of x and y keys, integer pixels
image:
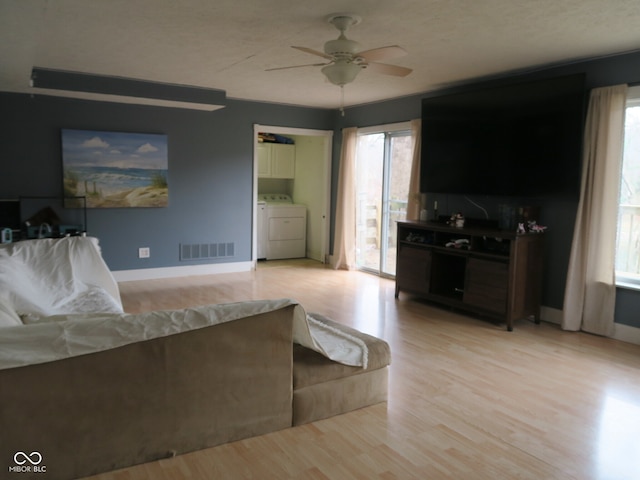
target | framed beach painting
[{"x": 114, "y": 169}]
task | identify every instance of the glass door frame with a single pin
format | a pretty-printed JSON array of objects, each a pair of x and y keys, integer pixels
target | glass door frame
[{"x": 390, "y": 132}]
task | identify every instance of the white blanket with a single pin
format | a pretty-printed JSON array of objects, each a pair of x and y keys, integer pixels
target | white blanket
[
  {"x": 55, "y": 276},
  {"x": 70, "y": 305},
  {"x": 334, "y": 343},
  {"x": 51, "y": 338}
]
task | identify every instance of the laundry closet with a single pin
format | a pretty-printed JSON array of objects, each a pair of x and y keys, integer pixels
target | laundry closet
[{"x": 292, "y": 193}]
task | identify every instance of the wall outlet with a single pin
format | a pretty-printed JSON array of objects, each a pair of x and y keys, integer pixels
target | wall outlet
[{"x": 144, "y": 252}]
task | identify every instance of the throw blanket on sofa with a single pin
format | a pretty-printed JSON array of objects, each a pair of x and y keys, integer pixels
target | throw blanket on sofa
[
  {"x": 59, "y": 299},
  {"x": 55, "y": 337},
  {"x": 55, "y": 276}
]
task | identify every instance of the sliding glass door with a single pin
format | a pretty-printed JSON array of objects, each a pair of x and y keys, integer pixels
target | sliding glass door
[{"x": 383, "y": 170}]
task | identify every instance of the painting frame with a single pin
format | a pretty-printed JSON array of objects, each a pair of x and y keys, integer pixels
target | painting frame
[{"x": 115, "y": 169}]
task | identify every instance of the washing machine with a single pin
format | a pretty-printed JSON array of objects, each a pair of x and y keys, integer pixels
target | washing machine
[{"x": 282, "y": 227}]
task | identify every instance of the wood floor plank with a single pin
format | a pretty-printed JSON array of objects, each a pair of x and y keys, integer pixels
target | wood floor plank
[{"x": 467, "y": 399}]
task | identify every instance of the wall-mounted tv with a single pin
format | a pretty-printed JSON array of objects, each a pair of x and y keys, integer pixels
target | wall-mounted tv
[{"x": 520, "y": 139}]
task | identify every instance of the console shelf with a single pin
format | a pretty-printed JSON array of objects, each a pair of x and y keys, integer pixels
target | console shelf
[{"x": 486, "y": 271}]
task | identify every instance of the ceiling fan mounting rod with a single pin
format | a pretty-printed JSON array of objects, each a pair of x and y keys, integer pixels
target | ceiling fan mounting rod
[
  {"x": 343, "y": 20},
  {"x": 342, "y": 48}
]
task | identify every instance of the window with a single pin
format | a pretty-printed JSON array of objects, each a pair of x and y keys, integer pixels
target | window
[{"x": 628, "y": 235}]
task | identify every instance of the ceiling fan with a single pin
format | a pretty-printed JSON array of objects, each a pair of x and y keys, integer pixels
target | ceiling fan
[{"x": 345, "y": 60}]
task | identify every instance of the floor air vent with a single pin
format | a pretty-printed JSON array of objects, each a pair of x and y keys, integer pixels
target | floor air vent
[{"x": 204, "y": 251}]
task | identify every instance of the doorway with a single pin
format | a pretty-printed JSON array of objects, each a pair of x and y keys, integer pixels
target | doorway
[
  {"x": 310, "y": 185},
  {"x": 383, "y": 171}
]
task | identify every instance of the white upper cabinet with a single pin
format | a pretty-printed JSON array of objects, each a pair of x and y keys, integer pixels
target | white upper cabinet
[{"x": 276, "y": 160}]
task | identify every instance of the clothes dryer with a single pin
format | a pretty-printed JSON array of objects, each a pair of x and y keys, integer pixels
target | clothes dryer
[{"x": 283, "y": 227}]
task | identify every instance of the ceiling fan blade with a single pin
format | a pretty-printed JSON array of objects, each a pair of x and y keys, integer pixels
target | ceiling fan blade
[
  {"x": 382, "y": 53},
  {"x": 389, "y": 69},
  {"x": 297, "y": 66},
  {"x": 313, "y": 52}
]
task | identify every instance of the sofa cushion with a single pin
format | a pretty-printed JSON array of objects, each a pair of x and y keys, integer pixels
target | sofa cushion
[
  {"x": 336, "y": 397},
  {"x": 311, "y": 368}
]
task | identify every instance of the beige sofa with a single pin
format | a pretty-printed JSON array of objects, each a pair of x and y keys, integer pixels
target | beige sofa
[{"x": 76, "y": 402}]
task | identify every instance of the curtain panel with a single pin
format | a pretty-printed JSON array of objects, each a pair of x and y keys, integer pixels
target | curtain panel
[
  {"x": 590, "y": 291},
  {"x": 344, "y": 244},
  {"x": 414, "y": 203}
]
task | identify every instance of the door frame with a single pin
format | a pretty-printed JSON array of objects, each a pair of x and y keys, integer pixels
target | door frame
[
  {"x": 388, "y": 130},
  {"x": 326, "y": 201}
]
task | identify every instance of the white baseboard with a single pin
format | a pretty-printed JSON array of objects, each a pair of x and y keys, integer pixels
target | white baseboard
[
  {"x": 181, "y": 271},
  {"x": 551, "y": 315},
  {"x": 621, "y": 332},
  {"x": 626, "y": 333}
]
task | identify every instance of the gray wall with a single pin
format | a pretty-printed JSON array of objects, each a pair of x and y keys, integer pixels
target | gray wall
[{"x": 211, "y": 170}]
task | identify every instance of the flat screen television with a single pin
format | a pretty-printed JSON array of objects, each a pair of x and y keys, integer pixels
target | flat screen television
[{"x": 521, "y": 139}]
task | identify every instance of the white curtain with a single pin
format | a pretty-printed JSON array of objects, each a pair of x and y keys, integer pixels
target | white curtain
[
  {"x": 344, "y": 242},
  {"x": 590, "y": 292},
  {"x": 413, "y": 201}
]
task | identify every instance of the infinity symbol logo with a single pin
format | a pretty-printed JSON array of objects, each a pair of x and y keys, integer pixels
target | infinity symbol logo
[{"x": 34, "y": 458}]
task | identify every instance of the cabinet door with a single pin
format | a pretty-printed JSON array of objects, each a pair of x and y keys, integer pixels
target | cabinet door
[
  {"x": 413, "y": 271},
  {"x": 283, "y": 160},
  {"x": 264, "y": 160},
  {"x": 486, "y": 284}
]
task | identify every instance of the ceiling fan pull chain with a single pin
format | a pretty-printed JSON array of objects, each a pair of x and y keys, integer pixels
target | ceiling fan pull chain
[{"x": 342, "y": 100}]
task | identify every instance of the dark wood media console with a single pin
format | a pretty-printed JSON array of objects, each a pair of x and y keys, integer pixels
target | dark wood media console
[{"x": 487, "y": 271}]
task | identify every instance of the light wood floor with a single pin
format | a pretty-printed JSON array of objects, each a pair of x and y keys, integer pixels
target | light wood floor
[{"x": 468, "y": 400}]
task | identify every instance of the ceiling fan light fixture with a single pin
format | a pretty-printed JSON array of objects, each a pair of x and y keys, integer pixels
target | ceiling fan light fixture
[
  {"x": 346, "y": 58},
  {"x": 341, "y": 73}
]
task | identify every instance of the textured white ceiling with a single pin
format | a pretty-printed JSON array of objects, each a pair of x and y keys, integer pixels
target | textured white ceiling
[{"x": 228, "y": 44}]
